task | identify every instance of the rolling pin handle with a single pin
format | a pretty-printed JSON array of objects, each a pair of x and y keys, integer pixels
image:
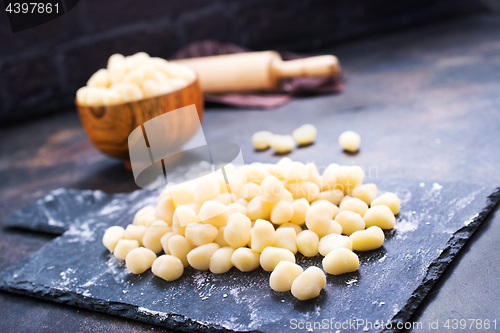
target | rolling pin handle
[{"x": 325, "y": 65}]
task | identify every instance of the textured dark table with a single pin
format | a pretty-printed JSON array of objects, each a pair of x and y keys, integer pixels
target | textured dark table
[{"x": 425, "y": 101}]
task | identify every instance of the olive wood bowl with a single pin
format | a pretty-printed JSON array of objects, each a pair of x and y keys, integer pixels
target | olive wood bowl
[{"x": 109, "y": 126}]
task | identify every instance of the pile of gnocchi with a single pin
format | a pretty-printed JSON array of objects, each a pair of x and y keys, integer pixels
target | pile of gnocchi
[
  {"x": 259, "y": 215},
  {"x": 133, "y": 78}
]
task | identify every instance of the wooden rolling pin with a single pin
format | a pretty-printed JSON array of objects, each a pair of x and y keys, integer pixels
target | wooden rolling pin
[{"x": 252, "y": 71}]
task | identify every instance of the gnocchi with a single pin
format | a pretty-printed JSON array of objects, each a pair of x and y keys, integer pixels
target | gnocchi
[
  {"x": 271, "y": 256},
  {"x": 257, "y": 220},
  {"x": 340, "y": 261},
  {"x": 367, "y": 240},
  {"x": 380, "y": 216},
  {"x": 309, "y": 283},
  {"x": 139, "y": 260},
  {"x": 305, "y": 134},
  {"x": 132, "y": 78},
  {"x": 168, "y": 267},
  {"x": 283, "y": 275},
  {"x": 261, "y": 140},
  {"x": 350, "y": 141}
]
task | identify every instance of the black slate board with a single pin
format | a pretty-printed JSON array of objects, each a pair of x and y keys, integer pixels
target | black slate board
[
  {"x": 56, "y": 211},
  {"x": 434, "y": 222}
]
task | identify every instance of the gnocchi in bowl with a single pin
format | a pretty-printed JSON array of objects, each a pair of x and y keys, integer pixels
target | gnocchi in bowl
[{"x": 133, "y": 78}]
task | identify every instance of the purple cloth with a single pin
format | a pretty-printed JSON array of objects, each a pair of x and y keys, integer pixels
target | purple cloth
[{"x": 287, "y": 88}]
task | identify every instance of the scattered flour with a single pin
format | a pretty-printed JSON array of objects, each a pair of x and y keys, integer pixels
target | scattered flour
[
  {"x": 48, "y": 215},
  {"x": 471, "y": 219},
  {"x": 409, "y": 222},
  {"x": 381, "y": 260},
  {"x": 406, "y": 226},
  {"x": 83, "y": 232},
  {"x": 55, "y": 223},
  {"x": 111, "y": 208},
  {"x": 464, "y": 202},
  {"x": 148, "y": 312},
  {"x": 436, "y": 187},
  {"x": 404, "y": 197},
  {"x": 351, "y": 282},
  {"x": 66, "y": 279},
  {"x": 116, "y": 268}
]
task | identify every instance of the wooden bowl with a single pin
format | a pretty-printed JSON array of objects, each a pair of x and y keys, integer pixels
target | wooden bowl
[{"x": 108, "y": 126}]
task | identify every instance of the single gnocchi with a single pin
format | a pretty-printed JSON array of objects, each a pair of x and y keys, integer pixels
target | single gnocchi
[
  {"x": 245, "y": 259},
  {"x": 282, "y": 212},
  {"x": 390, "y": 200},
  {"x": 136, "y": 232},
  {"x": 300, "y": 207},
  {"x": 350, "y": 141},
  {"x": 350, "y": 222},
  {"x": 332, "y": 242},
  {"x": 305, "y": 134},
  {"x": 179, "y": 247},
  {"x": 303, "y": 189},
  {"x": 259, "y": 209},
  {"x": 271, "y": 256},
  {"x": 367, "y": 240},
  {"x": 318, "y": 219},
  {"x": 309, "y": 284},
  {"x": 220, "y": 237},
  {"x": 123, "y": 247},
  {"x": 200, "y": 233},
  {"x": 291, "y": 225},
  {"x": 220, "y": 262},
  {"x": 354, "y": 205},
  {"x": 139, "y": 260},
  {"x": 308, "y": 243},
  {"x": 286, "y": 238},
  {"x": 214, "y": 213},
  {"x": 262, "y": 235},
  {"x": 237, "y": 231},
  {"x": 340, "y": 261},
  {"x": 283, "y": 275},
  {"x": 152, "y": 236},
  {"x": 261, "y": 140},
  {"x": 334, "y": 196},
  {"x": 380, "y": 216},
  {"x": 168, "y": 267},
  {"x": 199, "y": 257},
  {"x": 282, "y": 143},
  {"x": 112, "y": 236},
  {"x": 365, "y": 192},
  {"x": 349, "y": 177},
  {"x": 272, "y": 189}
]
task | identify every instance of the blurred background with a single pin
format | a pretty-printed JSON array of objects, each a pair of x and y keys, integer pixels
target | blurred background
[{"x": 41, "y": 68}]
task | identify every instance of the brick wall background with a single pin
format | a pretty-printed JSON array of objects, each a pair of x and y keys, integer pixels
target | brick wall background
[{"x": 41, "y": 68}]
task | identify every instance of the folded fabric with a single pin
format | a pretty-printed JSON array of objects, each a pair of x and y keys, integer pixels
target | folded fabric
[{"x": 302, "y": 86}]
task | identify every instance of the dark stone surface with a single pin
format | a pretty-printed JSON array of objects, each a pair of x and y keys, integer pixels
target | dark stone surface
[{"x": 434, "y": 223}]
